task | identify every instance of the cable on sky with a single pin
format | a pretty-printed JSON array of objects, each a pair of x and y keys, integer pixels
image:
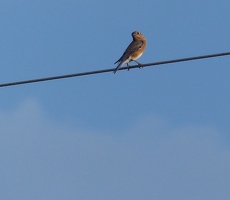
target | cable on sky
[{"x": 112, "y": 69}]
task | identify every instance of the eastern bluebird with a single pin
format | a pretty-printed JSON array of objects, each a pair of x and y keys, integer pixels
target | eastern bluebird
[{"x": 133, "y": 51}]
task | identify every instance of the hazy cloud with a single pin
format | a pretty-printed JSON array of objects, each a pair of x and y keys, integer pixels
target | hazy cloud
[{"x": 43, "y": 159}]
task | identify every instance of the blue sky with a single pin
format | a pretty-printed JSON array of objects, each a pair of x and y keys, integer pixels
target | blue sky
[{"x": 154, "y": 133}]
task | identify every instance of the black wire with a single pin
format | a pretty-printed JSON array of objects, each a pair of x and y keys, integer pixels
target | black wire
[{"x": 110, "y": 70}]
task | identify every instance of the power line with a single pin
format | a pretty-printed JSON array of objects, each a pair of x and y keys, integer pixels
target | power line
[{"x": 110, "y": 70}]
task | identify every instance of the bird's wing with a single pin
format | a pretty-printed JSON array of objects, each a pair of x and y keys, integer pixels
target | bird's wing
[{"x": 134, "y": 46}]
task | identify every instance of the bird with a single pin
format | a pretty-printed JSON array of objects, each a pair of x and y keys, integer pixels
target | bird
[{"x": 134, "y": 51}]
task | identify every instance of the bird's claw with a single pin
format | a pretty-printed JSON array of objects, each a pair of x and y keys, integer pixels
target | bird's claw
[
  {"x": 139, "y": 64},
  {"x": 128, "y": 67}
]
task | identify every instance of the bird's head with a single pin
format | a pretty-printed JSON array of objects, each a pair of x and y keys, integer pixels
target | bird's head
[{"x": 137, "y": 34}]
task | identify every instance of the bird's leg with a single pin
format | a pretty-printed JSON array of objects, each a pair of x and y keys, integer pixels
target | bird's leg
[
  {"x": 128, "y": 66},
  {"x": 138, "y": 64}
]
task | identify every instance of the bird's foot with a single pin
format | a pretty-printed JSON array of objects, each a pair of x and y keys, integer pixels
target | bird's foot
[
  {"x": 128, "y": 66},
  {"x": 139, "y": 64}
]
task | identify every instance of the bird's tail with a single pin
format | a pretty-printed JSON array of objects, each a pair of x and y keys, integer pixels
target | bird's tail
[{"x": 120, "y": 64}]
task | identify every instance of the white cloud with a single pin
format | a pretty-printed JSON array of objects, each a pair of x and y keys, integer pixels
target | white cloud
[{"x": 42, "y": 159}]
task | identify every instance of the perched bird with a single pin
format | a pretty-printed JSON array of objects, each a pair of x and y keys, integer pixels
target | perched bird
[{"x": 133, "y": 51}]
